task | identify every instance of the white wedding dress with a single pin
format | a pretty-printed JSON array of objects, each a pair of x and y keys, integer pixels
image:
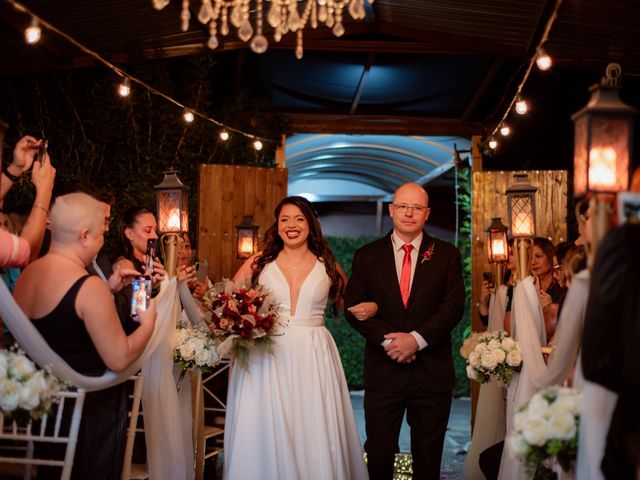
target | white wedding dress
[{"x": 289, "y": 415}]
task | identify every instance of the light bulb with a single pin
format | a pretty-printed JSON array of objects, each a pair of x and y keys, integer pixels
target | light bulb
[
  {"x": 224, "y": 135},
  {"x": 124, "y": 87},
  {"x": 188, "y": 116},
  {"x": 257, "y": 145},
  {"x": 543, "y": 60},
  {"x": 521, "y": 106},
  {"x": 493, "y": 144},
  {"x": 505, "y": 130},
  {"x": 33, "y": 32}
]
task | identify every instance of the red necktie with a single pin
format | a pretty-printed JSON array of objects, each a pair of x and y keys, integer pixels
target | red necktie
[{"x": 405, "y": 274}]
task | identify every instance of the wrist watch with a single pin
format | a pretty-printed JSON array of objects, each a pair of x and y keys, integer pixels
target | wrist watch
[{"x": 10, "y": 176}]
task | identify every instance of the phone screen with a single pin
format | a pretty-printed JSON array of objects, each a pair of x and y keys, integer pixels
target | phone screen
[
  {"x": 202, "y": 270},
  {"x": 488, "y": 276},
  {"x": 42, "y": 151},
  {"x": 140, "y": 295},
  {"x": 152, "y": 246}
]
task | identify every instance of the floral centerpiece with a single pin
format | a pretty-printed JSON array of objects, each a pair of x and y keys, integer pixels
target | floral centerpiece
[
  {"x": 546, "y": 429},
  {"x": 193, "y": 347},
  {"x": 26, "y": 392},
  {"x": 491, "y": 356},
  {"x": 240, "y": 318}
]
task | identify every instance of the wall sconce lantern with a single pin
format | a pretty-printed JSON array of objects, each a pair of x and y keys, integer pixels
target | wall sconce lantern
[
  {"x": 602, "y": 149},
  {"x": 173, "y": 216},
  {"x": 521, "y": 208},
  {"x": 497, "y": 247},
  {"x": 247, "y": 237}
]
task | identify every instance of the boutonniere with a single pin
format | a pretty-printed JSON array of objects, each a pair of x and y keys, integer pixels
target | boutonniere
[{"x": 428, "y": 253}]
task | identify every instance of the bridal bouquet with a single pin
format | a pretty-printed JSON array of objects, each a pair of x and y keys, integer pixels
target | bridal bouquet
[
  {"x": 193, "y": 347},
  {"x": 241, "y": 318},
  {"x": 546, "y": 429},
  {"x": 491, "y": 356},
  {"x": 26, "y": 392}
]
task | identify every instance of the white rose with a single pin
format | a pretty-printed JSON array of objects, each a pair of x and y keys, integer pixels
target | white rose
[
  {"x": 202, "y": 357},
  {"x": 488, "y": 360},
  {"x": 29, "y": 397},
  {"x": 514, "y": 358},
  {"x": 186, "y": 351},
  {"x": 499, "y": 355},
  {"x": 196, "y": 343},
  {"x": 535, "y": 431},
  {"x": 21, "y": 366},
  {"x": 519, "y": 420},
  {"x": 494, "y": 344},
  {"x": 508, "y": 344},
  {"x": 561, "y": 426},
  {"x": 562, "y": 405},
  {"x": 38, "y": 382},
  {"x": 480, "y": 348},
  {"x": 517, "y": 446},
  {"x": 3, "y": 371},
  {"x": 471, "y": 373},
  {"x": 9, "y": 395},
  {"x": 538, "y": 407},
  {"x": 474, "y": 359}
]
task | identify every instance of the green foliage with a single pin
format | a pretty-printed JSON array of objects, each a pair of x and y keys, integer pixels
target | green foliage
[
  {"x": 463, "y": 175},
  {"x": 350, "y": 343}
]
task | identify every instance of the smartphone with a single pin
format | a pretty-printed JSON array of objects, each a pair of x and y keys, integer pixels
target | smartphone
[
  {"x": 202, "y": 270},
  {"x": 152, "y": 247},
  {"x": 140, "y": 295},
  {"x": 42, "y": 151},
  {"x": 488, "y": 276}
]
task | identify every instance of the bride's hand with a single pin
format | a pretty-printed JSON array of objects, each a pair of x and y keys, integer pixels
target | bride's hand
[{"x": 364, "y": 310}]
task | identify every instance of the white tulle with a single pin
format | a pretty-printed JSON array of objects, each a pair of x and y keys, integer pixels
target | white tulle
[
  {"x": 489, "y": 426},
  {"x": 289, "y": 415}
]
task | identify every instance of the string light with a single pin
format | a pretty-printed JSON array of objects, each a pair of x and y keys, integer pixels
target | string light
[
  {"x": 224, "y": 135},
  {"x": 33, "y": 32},
  {"x": 124, "y": 87},
  {"x": 188, "y": 115},
  {"x": 543, "y": 60},
  {"x": 521, "y": 106},
  {"x": 505, "y": 130},
  {"x": 493, "y": 144}
]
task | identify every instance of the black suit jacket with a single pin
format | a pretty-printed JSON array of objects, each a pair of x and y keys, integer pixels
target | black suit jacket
[{"x": 435, "y": 306}]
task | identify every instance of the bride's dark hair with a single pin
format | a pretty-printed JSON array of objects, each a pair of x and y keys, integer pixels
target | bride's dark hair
[{"x": 273, "y": 245}]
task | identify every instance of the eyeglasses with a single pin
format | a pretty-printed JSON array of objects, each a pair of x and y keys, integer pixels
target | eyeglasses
[{"x": 403, "y": 207}]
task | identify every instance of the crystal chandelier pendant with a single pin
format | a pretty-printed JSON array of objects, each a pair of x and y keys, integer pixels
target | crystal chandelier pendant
[
  {"x": 245, "y": 31},
  {"x": 259, "y": 44},
  {"x": 160, "y": 4},
  {"x": 206, "y": 12},
  {"x": 273, "y": 17},
  {"x": 338, "y": 29}
]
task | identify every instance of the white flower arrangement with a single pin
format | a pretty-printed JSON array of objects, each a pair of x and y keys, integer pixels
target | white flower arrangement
[
  {"x": 193, "y": 347},
  {"x": 546, "y": 428},
  {"x": 26, "y": 392},
  {"x": 491, "y": 356}
]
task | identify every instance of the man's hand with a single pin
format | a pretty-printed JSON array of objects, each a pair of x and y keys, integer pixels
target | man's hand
[
  {"x": 23, "y": 155},
  {"x": 364, "y": 310},
  {"x": 403, "y": 347},
  {"x": 121, "y": 277}
]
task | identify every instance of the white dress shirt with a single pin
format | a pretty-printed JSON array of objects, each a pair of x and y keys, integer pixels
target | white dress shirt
[{"x": 398, "y": 254}]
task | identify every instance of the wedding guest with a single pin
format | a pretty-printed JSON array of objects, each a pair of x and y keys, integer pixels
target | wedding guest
[
  {"x": 136, "y": 227},
  {"x": 610, "y": 343},
  {"x": 76, "y": 315},
  {"x": 18, "y": 251},
  {"x": 549, "y": 291},
  {"x": 304, "y": 427}
]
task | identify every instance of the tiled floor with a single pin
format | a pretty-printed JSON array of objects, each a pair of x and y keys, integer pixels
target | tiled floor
[{"x": 456, "y": 441}]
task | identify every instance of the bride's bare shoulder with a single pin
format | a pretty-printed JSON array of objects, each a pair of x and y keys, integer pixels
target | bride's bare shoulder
[{"x": 243, "y": 275}]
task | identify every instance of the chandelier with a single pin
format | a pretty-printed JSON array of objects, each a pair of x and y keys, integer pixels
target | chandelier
[{"x": 283, "y": 15}]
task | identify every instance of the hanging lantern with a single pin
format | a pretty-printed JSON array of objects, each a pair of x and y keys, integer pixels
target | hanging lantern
[
  {"x": 247, "y": 237},
  {"x": 603, "y": 134},
  {"x": 496, "y": 240},
  {"x": 521, "y": 207},
  {"x": 171, "y": 194}
]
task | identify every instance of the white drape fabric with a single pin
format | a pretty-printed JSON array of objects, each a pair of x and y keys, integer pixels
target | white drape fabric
[
  {"x": 528, "y": 322},
  {"x": 167, "y": 412},
  {"x": 489, "y": 426},
  {"x": 38, "y": 349}
]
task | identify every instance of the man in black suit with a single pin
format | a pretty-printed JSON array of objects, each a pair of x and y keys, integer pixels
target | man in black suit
[{"x": 416, "y": 282}]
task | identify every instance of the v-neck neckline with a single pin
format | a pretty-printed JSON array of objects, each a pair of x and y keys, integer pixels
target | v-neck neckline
[{"x": 301, "y": 285}]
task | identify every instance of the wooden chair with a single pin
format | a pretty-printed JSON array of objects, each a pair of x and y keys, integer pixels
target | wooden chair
[
  {"x": 208, "y": 427},
  {"x": 134, "y": 470},
  {"x": 28, "y": 435}
]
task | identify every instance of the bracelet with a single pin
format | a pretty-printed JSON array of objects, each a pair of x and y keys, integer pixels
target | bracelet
[
  {"x": 41, "y": 208},
  {"x": 9, "y": 175}
]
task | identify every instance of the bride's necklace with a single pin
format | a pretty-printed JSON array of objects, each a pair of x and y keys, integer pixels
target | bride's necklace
[{"x": 292, "y": 265}]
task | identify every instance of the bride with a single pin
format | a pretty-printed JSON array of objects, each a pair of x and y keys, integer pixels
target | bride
[{"x": 289, "y": 414}]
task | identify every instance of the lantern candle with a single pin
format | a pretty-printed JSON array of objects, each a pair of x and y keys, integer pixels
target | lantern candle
[
  {"x": 246, "y": 246},
  {"x": 173, "y": 220},
  {"x": 497, "y": 247},
  {"x": 602, "y": 168},
  {"x": 522, "y": 224}
]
